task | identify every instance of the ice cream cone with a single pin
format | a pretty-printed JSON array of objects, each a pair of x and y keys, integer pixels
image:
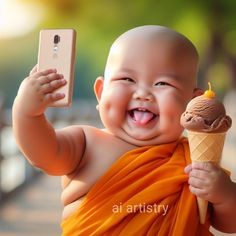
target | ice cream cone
[{"x": 205, "y": 147}]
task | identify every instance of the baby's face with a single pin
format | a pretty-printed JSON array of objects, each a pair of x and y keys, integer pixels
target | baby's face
[{"x": 146, "y": 88}]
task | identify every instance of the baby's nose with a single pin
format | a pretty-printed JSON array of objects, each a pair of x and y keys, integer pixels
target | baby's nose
[{"x": 143, "y": 95}]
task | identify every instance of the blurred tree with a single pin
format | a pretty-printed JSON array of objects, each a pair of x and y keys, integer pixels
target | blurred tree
[
  {"x": 209, "y": 24},
  {"x": 220, "y": 55}
]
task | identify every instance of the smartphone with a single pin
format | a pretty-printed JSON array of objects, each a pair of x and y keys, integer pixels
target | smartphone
[{"x": 57, "y": 50}]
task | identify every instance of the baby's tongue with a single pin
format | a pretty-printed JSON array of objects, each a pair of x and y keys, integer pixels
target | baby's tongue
[{"x": 142, "y": 117}]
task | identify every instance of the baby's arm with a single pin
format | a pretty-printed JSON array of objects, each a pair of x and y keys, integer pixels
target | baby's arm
[
  {"x": 211, "y": 183},
  {"x": 56, "y": 152}
]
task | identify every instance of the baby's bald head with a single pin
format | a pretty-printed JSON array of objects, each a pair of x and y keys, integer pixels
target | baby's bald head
[
  {"x": 153, "y": 35},
  {"x": 156, "y": 32}
]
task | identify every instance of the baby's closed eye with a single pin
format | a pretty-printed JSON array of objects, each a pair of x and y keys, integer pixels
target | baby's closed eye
[
  {"x": 128, "y": 79},
  {"x": 162, "y": 83}
]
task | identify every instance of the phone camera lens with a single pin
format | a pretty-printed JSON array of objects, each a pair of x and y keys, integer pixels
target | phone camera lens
[{"x": 56, "y": 39}]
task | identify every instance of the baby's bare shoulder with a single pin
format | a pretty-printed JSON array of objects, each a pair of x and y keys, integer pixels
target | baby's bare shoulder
[
  {"x": 101, "y": 140},
  {"x": 102, "y": 148}
]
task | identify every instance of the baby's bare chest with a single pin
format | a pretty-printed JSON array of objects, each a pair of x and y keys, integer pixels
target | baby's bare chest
[{"x": 92, "y": 168}]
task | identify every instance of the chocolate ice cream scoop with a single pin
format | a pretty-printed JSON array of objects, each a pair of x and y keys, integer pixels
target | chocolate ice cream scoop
[{"x": 205, "y": 114}]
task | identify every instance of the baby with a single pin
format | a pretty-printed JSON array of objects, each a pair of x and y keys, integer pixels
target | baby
[{"x": 138, "y": 159}]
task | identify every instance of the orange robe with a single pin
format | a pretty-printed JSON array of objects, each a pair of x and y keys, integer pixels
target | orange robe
[{"x": 144, "y": 193}]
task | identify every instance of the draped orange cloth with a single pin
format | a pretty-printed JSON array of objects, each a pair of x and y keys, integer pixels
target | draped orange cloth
[{"x": 144, "y": 193}]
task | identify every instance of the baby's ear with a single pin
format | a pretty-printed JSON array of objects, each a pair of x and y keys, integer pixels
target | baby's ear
[
  {"x": 197, "y": 92},
  {"x": 98, "y": 87}
]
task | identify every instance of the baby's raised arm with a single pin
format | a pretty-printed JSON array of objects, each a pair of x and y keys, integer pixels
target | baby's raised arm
[{"x": 56, "y": 152}]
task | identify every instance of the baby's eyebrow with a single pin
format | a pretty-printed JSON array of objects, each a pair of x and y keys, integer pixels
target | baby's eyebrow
[
  {"x": 124, "y": 72},
  {"x": 127, "y": 70},
  {"x": 168, "y": 75}
]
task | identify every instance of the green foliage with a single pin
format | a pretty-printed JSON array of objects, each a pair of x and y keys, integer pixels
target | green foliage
[{"x": 98, "y": 23}]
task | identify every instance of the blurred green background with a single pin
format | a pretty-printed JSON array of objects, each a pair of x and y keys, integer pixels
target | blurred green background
[{"x": 210, "y": 24}]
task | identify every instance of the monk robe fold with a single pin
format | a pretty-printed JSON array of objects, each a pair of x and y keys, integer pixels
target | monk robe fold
[{"x": 145, "y": 193}]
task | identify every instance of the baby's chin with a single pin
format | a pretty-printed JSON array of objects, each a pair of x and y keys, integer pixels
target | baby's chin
[{"x": 153, "y": 141}]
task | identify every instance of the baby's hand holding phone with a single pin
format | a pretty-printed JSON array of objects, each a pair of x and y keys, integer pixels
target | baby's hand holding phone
[
  {"x": 38, "y": 91},
  {"x": 57, "y": 50}
]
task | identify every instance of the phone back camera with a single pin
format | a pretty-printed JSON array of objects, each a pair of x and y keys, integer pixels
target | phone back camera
[{"x": 56, "y": 39}]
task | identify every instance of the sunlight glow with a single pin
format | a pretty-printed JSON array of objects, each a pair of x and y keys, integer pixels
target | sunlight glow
[{"x": 17, "y": 18}]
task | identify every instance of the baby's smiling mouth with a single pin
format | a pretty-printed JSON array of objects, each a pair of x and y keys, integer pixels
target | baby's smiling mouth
[{"x": 141, "y": 116}]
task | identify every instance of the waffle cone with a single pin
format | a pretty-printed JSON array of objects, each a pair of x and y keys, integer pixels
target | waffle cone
[
  {"x": 202, "y": 209},
  {"x": 205, "y": 147}
]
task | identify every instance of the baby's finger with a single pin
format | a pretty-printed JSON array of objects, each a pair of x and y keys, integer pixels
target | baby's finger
[
  {"x": 198, "y": 173},
  {"x": 198, "y": 192},
  {"x": 49, "y": 78},
  {"x": 44, "y": 73},
  {"x": 207, "y": 166},
  {"x": 188, "y": 168},
  {"x": 52, "y": 97},
  {"x": 196, "y": 182},
  {"x": 50, "y": 87}
]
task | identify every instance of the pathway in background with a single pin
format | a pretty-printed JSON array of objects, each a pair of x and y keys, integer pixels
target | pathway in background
[{"x": 33, "y": 211}]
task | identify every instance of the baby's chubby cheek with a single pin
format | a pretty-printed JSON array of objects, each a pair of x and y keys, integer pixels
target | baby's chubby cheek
[
  {"x": 116, "y": 97},
  {"x": 112, "y": 106}
]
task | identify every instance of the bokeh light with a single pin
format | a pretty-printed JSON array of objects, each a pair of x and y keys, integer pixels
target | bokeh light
[{"x": 17, "y": 18}]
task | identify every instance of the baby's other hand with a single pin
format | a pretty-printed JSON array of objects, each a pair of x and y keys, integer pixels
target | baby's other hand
[
  {"x": 209, "y": 181},
  {"x": 37, "y": 91}
]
